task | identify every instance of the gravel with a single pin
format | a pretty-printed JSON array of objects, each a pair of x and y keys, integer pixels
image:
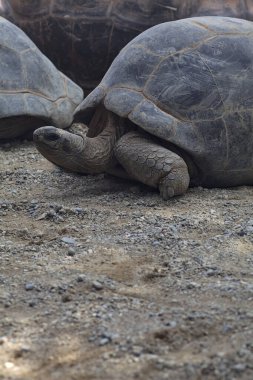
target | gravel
[{"x": 101, "y": 278}]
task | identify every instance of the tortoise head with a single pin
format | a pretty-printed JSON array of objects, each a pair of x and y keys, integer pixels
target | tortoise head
[
  {"x": 75, "y": 152},
  {"x": 60, "y": 147}
]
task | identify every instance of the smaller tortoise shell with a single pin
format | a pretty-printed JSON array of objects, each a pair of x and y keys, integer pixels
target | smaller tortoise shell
[{"x": 30, "y": 85}]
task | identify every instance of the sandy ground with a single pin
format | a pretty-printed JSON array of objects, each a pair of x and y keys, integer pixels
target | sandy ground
[{"x": 102, "y": 279}]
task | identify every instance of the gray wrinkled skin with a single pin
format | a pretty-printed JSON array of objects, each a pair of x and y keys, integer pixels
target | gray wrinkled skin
[
  {"x": 32, "y": 91},
  {"x": 189, "y": 83}
]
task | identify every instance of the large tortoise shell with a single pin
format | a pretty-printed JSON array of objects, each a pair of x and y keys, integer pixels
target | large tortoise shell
[{"x": 189, "y": 82}]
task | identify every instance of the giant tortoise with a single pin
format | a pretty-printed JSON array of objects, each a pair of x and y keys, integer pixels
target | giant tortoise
[
  {"x": 83, "y": 37},
  {"x": 175, "y": 108},
  {"x": 32, "y": 91}
]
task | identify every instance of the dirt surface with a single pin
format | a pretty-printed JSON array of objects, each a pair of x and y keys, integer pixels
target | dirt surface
[{"x": 102, "y": 279}]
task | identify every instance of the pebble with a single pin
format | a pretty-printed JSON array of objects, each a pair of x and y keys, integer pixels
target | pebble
[
  {"x": 21, "y": 351},
  {"x": 171, "y": 324},
  {"x": 78, "y": 210},
  {"x": 104, "y": 341},
  {"x": 240, "y": 367},
  {"x": 9, "y": 365},
  {"x": 137, "y": 350},
  {"x": 3, "y": 340},
  {"x": 97, "y": 285},
  {"x": 66, "y": 298},
  {"x": 193, "y": 285},
  {"x": 211, "y": 272},
  {"x": 32, "y": 303},
  {"x": 29, "y": 286},
  {"x": 81, "y": 278},
  {"x": 68, "y": 240},
  {"x": 71, "y": 252}
]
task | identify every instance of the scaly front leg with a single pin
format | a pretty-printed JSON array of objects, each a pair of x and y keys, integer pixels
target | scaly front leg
[{"x": 152, "y": 164}]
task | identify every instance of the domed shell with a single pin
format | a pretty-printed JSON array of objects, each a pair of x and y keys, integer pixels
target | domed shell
[
  {"x": 190, "y": 83},
  {"x": 30, "y": 85}
]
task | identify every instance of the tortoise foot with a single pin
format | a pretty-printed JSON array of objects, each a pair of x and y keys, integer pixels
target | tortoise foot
[{"x": 152, "y": 164}]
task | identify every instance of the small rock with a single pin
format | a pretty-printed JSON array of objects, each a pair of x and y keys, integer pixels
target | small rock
[
  {"x": 227, "y": 328},
  {"x": 104, "y": 341},
  {"x": 211, "y": 272},
  {"x": 78, "y": 210},
  {"x": 51, "y": 213},
  {"x": 66, "y": 298},
  {"x": 81, "y": 278},
  {"x": 42, "y": 216},
  {"x": 192, "y": 285},
  {"x": 29, "y": 286},
  {"x": 32, "y": 303},
  {"x": 68, "y": 240},
  {"x": 97, "y": 285},
  {"x": 3, "y": 340},
  {"x": 239, "y": 367},
  {"x": 71, "y": 252},
  {"x": 20, "y": 352},
  {"x": 137, "y": 350},
  {"x": 171, "y": 324},
  {"x": 9, "y": 365}
]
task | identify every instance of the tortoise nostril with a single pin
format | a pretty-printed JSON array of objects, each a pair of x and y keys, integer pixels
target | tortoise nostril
[{"x": 52, "y": 136}]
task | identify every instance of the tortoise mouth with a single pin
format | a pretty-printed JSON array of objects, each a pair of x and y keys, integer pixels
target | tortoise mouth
[{"x": 45, "y": 134}]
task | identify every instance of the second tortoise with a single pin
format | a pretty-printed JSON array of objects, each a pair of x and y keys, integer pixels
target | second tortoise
[{"x": 32, "y": 91}]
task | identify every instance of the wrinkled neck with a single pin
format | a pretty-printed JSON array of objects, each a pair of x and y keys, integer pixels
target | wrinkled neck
[{"x": 97, "y": 153}]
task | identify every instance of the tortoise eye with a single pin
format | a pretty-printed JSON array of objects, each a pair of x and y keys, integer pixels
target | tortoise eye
[{"x": 51, "y": 136}]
